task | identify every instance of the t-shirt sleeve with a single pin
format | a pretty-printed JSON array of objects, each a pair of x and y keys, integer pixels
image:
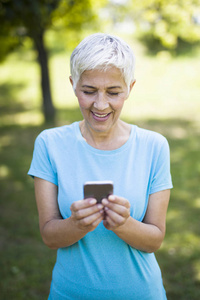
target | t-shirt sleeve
[
  {"x": 41, "y": 165},
  {"x": 161, "y": 176}
]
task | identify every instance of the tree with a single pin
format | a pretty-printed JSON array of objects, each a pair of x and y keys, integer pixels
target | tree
[
  {"x": 20, "y": 18},
  {"x": 168, "y": 23}
]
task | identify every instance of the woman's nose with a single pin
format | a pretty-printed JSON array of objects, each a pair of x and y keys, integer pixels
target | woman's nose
[{"x": 101, "y": 102}]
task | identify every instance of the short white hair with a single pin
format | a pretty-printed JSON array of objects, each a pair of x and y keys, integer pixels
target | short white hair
[{"x": 102, "y": 51}]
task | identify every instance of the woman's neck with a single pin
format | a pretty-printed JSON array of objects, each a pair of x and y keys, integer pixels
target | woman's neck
[{"x": 116, "y": 137}]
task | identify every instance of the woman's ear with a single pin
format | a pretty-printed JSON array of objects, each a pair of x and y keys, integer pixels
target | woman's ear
[
  {"x": 71, "y": 81},
  {"x": 130, "y": 88},
  {"x": 131, "y": 85}
]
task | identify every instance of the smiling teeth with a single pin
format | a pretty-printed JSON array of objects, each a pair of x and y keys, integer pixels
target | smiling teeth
[{"x": 100, "y": 116}]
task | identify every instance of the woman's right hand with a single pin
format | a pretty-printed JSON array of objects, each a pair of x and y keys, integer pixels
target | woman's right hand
[
  {"x": 87, "y": 214},
  {"x": 56, "y": 231}
]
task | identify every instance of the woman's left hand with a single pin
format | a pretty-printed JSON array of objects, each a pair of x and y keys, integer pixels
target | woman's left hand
[{"x": 117, "y": 211}]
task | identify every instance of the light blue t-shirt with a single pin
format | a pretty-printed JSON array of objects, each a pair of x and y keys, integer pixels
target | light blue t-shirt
[{"x": 101, "y": 266}]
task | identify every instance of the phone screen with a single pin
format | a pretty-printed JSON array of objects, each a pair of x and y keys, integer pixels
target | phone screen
[{"x": 98, "y": 189}]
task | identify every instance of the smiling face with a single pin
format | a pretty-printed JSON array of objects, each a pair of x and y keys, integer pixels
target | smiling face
[{"x": 101, "y": 96}]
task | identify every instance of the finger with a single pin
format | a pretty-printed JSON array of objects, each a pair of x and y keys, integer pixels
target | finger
[
  {"x": 110, "y": 224},
  {"x": 81, "y": 204},
  {"x": 92, "y": 219},
  {"x": 98, "y": 221},
  {"x": 119, "y": 200},
  {"x": 119, "y": 209},
  {"x": 113, "y": 218},
  {"x": 84, "y": 213},
  {"x": 106, "y": 224}
]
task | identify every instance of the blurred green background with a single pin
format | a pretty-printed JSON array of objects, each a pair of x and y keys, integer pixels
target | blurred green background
[{"x": 165, "y": 37}]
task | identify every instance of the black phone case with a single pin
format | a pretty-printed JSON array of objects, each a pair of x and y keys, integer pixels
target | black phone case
[{"x": 98, "y": 190}]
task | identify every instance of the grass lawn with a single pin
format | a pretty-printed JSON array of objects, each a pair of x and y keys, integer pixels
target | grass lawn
[{"x": 165, "y": 99}]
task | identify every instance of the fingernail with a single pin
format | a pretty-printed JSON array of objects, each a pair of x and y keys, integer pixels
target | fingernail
[
  {"x": 111, "y": 197},
  {"x": 92, "y": 201},
  {"x": 105, "y": 201}
]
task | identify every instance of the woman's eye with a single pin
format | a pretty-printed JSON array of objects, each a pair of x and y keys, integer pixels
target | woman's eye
[
  {"x": 113, "y": 94},
  {"x": 88, "y": 93}
]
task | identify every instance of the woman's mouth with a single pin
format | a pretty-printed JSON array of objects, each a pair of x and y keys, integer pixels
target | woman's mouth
[{"x": 100, "y": 117}]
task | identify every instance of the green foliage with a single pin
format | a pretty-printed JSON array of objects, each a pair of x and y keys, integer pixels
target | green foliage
[
  {"x": 33, "y": 15},
  {"x": 20, "y": 18},
  {"x": 168, "y": 23},
  {"x": 8, "y": 44},
  {"x": 77, "y": 12},
  {"x": 171, "y": 22},
  {"x": 72, "y": 18}
]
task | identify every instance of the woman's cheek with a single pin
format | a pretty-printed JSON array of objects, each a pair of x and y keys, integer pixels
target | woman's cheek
[{"x": 84, "y": 102}]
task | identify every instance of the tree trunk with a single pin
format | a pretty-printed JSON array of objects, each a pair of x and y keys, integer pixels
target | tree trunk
[{"x": 48, "y": 108}]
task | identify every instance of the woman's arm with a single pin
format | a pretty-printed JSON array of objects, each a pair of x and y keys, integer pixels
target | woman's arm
[
  {"x": 145, "y": 236},
  {"x": 57, "y": 232}
]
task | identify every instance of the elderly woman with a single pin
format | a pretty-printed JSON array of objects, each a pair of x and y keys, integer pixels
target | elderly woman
[{"x": 105, "y": 250}]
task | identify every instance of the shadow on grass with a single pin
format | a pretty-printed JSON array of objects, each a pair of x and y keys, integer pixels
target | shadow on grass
[
  {"x": 8, "y": 103},
  {"x": 27, "y": 264}
]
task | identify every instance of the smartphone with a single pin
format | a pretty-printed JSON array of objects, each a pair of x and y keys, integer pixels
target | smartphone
[{"x": 98, "y": 189}]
